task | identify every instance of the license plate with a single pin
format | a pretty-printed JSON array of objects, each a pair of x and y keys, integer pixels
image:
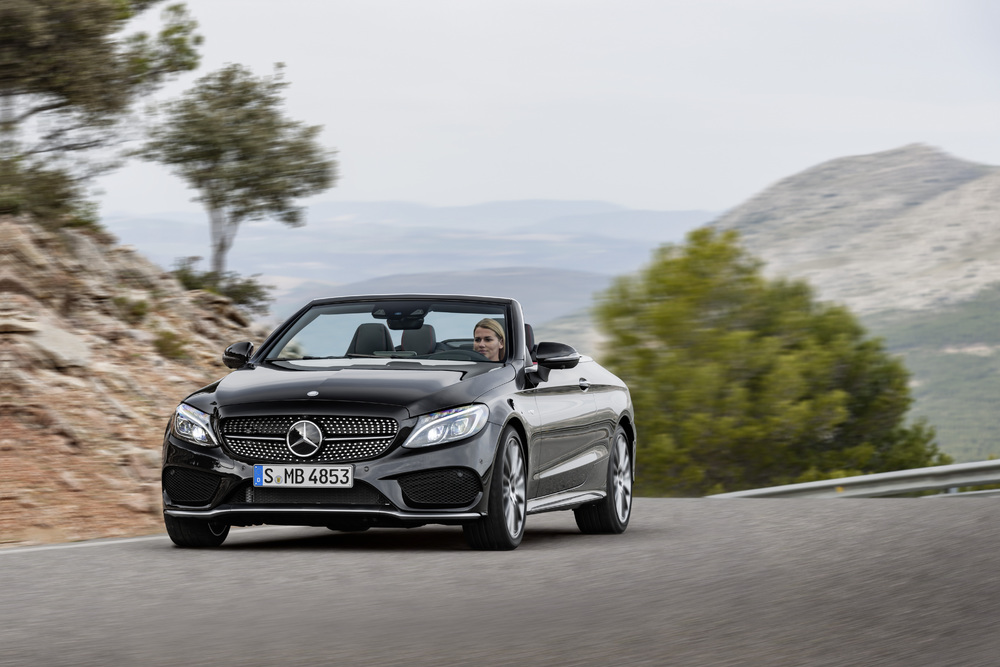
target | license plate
[{"x": 329, "y": 477}]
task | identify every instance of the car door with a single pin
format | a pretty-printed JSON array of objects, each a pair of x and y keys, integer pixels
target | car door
[{"x": 568, "y": 438}]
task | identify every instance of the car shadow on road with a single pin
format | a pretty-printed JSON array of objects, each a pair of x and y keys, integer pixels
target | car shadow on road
[{"x": 423, "y": 539}]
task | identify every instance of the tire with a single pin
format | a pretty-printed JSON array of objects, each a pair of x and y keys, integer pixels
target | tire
[
  {"x": 503, "y": 526},
  {"x": 195, "y": 533},
  {"x": 612, "y": 514}
]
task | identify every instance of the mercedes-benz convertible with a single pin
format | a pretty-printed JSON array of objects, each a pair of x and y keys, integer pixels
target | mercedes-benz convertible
[{"x": 399, "y": 411}]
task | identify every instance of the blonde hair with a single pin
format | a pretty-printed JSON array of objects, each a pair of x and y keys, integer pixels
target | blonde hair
[{"x": 494, "y": 326}]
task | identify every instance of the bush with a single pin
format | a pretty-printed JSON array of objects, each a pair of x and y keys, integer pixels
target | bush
[
  {"x": 130, "y": 311},
  {"x": 246, "y": 293},
  {"x": 51, "y": 196},
  {"x": 169, "y": 345}
]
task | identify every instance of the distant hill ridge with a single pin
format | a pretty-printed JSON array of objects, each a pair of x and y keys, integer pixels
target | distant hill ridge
[
  {"x": 346, "y": 242},
  {"x": 544, "y": 294}
]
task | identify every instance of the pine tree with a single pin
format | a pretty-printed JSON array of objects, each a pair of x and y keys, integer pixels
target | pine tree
[{"x": 743, "y": 382}]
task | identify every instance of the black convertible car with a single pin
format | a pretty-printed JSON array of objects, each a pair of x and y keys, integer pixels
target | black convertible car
[{"x": 401, "y": 410}]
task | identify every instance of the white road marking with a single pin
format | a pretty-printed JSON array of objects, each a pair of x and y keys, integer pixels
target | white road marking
[{"x": 7, "y": 551}]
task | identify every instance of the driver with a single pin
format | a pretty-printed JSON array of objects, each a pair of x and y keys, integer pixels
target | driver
[{"x": 488, "y": 339}]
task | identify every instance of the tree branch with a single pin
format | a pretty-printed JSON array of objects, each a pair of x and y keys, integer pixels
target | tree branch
[
  {"x": 65, "y": 148},
  {"x": 39, "y": 109}
]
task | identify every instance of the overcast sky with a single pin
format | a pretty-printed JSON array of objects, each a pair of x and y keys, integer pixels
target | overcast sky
[{"x": 650, "y": 104}]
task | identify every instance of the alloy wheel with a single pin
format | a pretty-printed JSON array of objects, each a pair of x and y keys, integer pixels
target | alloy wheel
[
  {"x": 514, "y": 488},
  {"x": 622, "y": 479}
]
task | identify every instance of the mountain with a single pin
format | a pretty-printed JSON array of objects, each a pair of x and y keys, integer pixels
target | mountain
[
  {"x": 907, "y": 229},
  {"x": 909, "y": 239}
]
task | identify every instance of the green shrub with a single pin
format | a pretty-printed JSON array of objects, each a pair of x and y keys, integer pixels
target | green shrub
[
  {"x": 169, "y": 345},
  {"x": 51, "y": 196},
  {"x": 130, "y": 311},
  {"x": 246, "y": 293}
]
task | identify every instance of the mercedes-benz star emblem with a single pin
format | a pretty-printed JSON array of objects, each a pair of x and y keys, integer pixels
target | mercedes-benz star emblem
[{"x": 304, "y": 438}]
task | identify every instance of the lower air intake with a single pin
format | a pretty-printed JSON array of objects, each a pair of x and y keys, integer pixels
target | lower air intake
[
  {"x": 360, "y": 494},
  {"x": 192, "y": 487},
  {"x": 447, "y": 487}
]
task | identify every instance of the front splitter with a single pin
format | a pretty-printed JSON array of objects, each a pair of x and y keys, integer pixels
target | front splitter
[{"x": 315, "y": 512}]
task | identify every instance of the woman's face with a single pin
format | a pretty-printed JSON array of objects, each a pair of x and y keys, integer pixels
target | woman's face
[{"x": 487, "y": 343}]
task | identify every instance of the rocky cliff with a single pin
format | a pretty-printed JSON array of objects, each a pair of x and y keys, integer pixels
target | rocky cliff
[{"x": 97, "y": 346}]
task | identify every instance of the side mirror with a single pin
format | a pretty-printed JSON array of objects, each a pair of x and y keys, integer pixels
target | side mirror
[
  {"x": 556, "y": 355},
  {"x": 238, "y": 355}
]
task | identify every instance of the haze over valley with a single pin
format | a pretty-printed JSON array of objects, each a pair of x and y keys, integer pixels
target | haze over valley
[{"x": 552, "y": 255}]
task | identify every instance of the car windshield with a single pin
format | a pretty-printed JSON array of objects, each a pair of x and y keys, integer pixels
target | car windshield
[{"x": 427, "y": 331}]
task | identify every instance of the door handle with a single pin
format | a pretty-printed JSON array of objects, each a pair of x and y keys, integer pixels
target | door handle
[{"x": 584, "y": 385}]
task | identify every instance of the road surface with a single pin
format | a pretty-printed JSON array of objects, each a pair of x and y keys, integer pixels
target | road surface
[{"x": 692, "y": 582}]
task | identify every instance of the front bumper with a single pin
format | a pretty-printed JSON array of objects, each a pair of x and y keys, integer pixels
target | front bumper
[
  {"x": 297, "y": 515},
  {"x": 404, "y": 487}
]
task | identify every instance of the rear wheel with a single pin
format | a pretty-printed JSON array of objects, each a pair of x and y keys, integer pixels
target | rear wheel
[
  {"x": 503, "y": 526},
  {"x": 611, "y": 514},
  {"x": 195, "y": 533}
]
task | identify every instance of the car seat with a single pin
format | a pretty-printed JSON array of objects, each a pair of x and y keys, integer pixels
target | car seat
[{"x": 370, "y": 338}]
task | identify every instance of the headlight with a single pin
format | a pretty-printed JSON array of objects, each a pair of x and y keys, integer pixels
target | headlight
[
  {"x": 193, "y": 425},
  {"x": 438, "y": 428}
]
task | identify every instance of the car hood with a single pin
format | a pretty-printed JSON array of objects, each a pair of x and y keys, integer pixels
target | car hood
[{"x": 416, "y": 390}]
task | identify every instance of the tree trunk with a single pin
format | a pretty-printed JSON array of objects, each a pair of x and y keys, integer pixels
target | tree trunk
[
  {"x": 8, "y": 143},
  {"x": 223, "y": 232}
]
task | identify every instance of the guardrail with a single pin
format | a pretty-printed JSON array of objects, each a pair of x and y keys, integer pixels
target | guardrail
[{"x": 893, "y": 483}]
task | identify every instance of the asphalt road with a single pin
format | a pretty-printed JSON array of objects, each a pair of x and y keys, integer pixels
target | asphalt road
[{"x": 692, "y": 582}]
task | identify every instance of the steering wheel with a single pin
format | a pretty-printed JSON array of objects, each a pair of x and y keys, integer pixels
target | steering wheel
[{"x": 457, "y": 343}]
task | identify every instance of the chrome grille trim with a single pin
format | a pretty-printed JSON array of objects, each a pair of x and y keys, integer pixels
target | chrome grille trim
[
  {"x": 262, "y": 439},
  {"x": 325, "y": 439}
]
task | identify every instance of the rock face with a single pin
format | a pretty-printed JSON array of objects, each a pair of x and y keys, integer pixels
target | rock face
[
  {"x": 906, "y": 229},
  {"x": 97, "y": 346}
]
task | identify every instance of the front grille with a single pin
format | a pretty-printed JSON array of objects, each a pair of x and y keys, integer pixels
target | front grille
[
  {"x": 262, "y": 439},
  {"x": 359, "y": 494},
  {"x": 447, "y": 487},
  {"x": 184, "y": 485}
]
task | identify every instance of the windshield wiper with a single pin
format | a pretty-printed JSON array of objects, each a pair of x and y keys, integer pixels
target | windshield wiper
[
  {"x": 401, "y": 354},
  {"x": 306, "y": 358}
]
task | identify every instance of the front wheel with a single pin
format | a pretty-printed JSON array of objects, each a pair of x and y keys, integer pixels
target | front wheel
[
  {"x": 195, "y": 533},
  {"x": 503, "y": 526},
  {"x": 611, "y": 514}
]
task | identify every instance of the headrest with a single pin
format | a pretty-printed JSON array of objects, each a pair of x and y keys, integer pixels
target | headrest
[{"x": 421, "y": 341}]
